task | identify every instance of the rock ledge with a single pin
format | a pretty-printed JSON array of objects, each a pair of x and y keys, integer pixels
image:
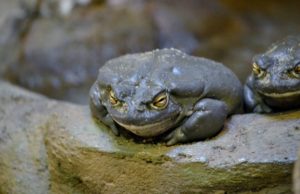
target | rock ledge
[{"x": 48, "y": 146}]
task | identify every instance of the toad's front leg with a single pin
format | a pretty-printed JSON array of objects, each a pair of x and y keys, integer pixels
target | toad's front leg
[
  {"x": 99, "y": 111},
  {"x": 206, "y": 121},
  {"x": 253, "y": 102}
]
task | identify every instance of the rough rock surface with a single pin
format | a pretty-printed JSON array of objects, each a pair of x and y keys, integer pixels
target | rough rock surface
[
  {"x": 23, "y": 160},
  {"x": 48, "y": 146}
]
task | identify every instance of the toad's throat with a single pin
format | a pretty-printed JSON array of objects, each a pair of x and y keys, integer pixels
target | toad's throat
[
  {"x": 281, "y": 95},
  {"x": 149, "y": 130}
]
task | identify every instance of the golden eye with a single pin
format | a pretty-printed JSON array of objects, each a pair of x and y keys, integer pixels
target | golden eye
[
  {"x": 257, "y": 70},
  {"x": 113, "y": 99},
  {"x": 296, "y": 71},
  {"x": 160, "y": 101}
]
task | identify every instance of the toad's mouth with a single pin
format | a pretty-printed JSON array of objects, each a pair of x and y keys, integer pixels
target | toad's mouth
[
  {"x": 149, "y": 130},
  {"x": 281, "y": 95}
]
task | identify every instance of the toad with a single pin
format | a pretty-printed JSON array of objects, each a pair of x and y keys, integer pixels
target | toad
[
  {"x": 274, "y": 84},
  {"x": 165, "y": 93}
]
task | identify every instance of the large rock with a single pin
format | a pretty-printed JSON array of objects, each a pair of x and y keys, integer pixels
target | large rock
[
  {"x": 54, "y": 147},
  {"x": 23, "y": 159},
  {"x": 297, "y": 175}
]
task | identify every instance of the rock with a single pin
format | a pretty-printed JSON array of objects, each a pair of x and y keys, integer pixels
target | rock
[
  {"x": 56, "y": 8},
  {"x": 14, "y": 9},
  {"x": 63, "y": 8},
  {"x": 15, "y": 18},
  {"x": 42, "y": 138},
  {"x": 61, "y": 56},
  {"x": 297, "y": 174},
  {"x": 23, "y": 159}
]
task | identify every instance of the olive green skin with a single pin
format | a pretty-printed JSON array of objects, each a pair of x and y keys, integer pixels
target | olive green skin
[
  {"x": 278, "y": 88},
  {"x": 201, "y": 93}
]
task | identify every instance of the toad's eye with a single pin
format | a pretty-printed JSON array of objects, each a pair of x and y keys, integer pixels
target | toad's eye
[
  {"x": 160, "y": 101},
  {"x": 113, "y": 99},
  {"x": 258, "y": 72},
  {"x": 296, "y": 71}
]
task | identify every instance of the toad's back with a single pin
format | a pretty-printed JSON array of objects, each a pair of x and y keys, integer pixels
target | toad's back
[{"x": 182, "y": 75}]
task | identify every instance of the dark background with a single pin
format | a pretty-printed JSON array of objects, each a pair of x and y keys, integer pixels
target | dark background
[{"x": 55, "y": 47}]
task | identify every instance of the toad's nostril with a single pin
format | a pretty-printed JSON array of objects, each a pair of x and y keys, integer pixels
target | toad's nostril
[{"x": 140, "y": 108}]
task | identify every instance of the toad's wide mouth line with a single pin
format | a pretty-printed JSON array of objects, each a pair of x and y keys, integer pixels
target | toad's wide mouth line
[
  {"x": 149, "y": 130},
  {"x": 281, "y": 95}
]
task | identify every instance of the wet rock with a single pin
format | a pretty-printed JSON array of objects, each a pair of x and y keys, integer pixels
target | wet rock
[
  {"x": 61, "y": 56},
  {"x": 41, "y": 138},
  {"x": 297, "y": 174}
]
